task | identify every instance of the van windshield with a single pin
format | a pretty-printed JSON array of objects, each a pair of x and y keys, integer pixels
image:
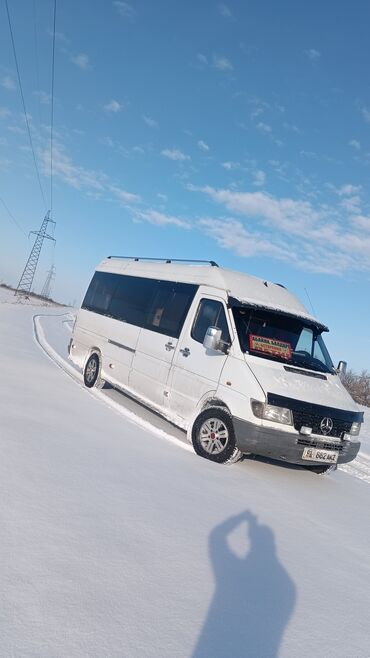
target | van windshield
[{"x": 281, "y": 338}]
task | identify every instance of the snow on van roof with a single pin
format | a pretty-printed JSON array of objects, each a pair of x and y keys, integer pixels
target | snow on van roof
[{"x": 245, "y": 288}]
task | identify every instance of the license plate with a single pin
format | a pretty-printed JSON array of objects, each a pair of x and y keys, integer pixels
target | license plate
[{"x": 318, "y": 455}]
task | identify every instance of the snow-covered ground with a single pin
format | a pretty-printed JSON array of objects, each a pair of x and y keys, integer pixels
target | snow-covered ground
[{"x": 118, "y": 541}]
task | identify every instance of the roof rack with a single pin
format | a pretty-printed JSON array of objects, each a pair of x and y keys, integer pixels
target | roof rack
[{"x": 168, "y": 260}]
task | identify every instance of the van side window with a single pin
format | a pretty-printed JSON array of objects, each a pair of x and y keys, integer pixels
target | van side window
[
  {"x": 210, "y": 314},
  {"x": 169, "y": 307},
  {"x": 131, "y": 299},
  {"x": 100, "y": 292},
  {"x": 160, "y": 306}
]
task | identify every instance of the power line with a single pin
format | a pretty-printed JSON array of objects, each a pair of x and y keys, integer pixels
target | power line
[
  {"x": 37, "y": 61},
  {"x": 52, "y": 110},
  {"x": 24, "y": 104},
  {"x": 12, "y": 217}
]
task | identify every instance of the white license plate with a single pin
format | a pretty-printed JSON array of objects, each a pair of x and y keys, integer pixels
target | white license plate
[{"x": 318, "y": 455}]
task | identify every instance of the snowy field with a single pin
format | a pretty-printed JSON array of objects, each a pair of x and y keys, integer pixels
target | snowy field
[{"x": 118, "y": 541}]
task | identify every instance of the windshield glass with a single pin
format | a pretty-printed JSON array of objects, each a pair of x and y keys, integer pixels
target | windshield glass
[{"x": 281, "y": 338}]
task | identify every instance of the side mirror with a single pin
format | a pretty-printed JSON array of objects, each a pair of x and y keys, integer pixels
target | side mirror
[
  {"x": 212, "y": 339},
  {"x": 342, "y": 368}
]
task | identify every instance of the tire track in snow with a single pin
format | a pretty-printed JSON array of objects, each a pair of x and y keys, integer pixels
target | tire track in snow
[
  {"x": 76, "y": 375},
  {"x": 359, "y": 468}
]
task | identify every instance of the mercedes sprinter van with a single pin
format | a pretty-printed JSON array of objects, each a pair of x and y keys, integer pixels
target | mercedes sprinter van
[{"x": 236, "y": 361}]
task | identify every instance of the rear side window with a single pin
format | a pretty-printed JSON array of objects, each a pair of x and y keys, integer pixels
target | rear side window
[
  {"x": 169, "y": 307},
  {"x": 132, "y": 298},
  {"x": 210, "y": 313},
  {"x": 100, "y": 292},
  {"x": 160, "y": 306}
]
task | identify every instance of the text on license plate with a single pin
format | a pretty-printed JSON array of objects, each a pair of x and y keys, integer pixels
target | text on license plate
[{"x": 318, "y": 455}]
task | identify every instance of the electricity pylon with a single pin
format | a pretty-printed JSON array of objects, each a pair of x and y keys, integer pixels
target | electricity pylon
[
  {"x": 45, "y": 292},
  {"x": 26, "y": 280}
]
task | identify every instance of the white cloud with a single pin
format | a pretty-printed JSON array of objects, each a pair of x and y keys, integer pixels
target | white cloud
[
  {"x": 15, "y": 129},
  {"x": 160, "y": 219},
  {"x": 309, "y": 154},
  {"x": 224, "y": 10},
  {"x": 8, "y": 83},
  {"x": 312, "y": 54},
  {"x": 362, "y": 222},
  {"x": 175, "y": 154},
  {"x": 264, "y": 128},
  {"x": 312, "y": 238},
  {"x": 348, "y": 189},
  {"x": 74, "y": 175},
  {"x": 202, "y": 59},
  {"x": 59, "y": 37},
  {"x": 259, "y": 177},
  {"x": 203, "y": 146},
  {"x": 124, "y": 196},
  {"x": 366, "y": 114},
  {"x": 162, "y": 197},
  {"x": 125, "y": 9},
  {"x": 107, "y": 141},
  {"x": 44, "y": 98},
  {"x": 151, "y": 123},
  {"x": 222, "y": 63},
  {"x": 231, "y": 234},
  {"x": 138, "y": 149},
  {"x": 229, "y": 165},
  {"x": 113, "y": 106},
  {"x": 90, "y": 181},
  {"x": 291, "y": 127},
  {"x": 355, "y": 144},
  {"x": 285, "y": 213},
  {"x": 5, "y": 164},
  {"x": 81, "y": 60},
  {"x": 352, "y": 204},
  {"x": 4, "y": 113}
]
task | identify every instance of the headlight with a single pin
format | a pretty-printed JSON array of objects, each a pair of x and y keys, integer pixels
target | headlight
[
  {"x": 270, "y": 412},
  {"x": 355, "y": 429}
]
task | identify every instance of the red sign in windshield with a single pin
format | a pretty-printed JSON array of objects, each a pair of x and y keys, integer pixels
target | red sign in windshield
[{"x": 270, "y": 346}]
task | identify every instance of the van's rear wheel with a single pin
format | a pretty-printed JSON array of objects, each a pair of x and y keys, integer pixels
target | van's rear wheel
[
  {"x": 91, "y": 371},
  {"x": 213, "y": 436}
]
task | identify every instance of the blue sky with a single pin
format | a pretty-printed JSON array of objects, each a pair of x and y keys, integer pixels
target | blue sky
[{"x": 233, "y": 131}]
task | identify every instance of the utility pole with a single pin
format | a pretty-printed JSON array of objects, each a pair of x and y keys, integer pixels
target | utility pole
[
  {"x": 25, "y": 282},
  {"x": 45, "y": 292}
]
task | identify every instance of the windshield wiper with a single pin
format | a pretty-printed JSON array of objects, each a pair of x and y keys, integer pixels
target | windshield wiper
[{"x": 307, "y": 363}]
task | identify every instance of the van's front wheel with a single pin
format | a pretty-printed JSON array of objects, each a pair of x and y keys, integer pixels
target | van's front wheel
[
  {"x": 91, "y": 371},
  {"x": 213, "y": 436}
]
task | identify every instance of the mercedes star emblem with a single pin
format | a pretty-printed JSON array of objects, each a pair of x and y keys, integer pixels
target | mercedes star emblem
[{"x": 326, "y": 425}]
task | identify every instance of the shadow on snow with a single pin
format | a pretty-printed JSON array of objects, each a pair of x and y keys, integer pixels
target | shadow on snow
[{"x": 254, "y": 596}]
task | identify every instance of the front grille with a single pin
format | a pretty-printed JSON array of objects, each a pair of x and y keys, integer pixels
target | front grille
[
  {"x": 306, "y": 441},
  {"x": 306, "y": 414},
  {"x": 307, "y": 419}
]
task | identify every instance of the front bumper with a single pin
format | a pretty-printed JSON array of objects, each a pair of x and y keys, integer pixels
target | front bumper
[{"x": 277, "y": 444}]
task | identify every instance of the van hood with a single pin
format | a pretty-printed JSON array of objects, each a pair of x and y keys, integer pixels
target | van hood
[{"x": 299, "y": 384}]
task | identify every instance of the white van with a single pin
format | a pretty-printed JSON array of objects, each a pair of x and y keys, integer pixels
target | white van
[{"x": 236, "y": 361}]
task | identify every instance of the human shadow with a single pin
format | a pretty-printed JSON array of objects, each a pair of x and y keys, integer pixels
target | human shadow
[{"x": 253, "y": 599}]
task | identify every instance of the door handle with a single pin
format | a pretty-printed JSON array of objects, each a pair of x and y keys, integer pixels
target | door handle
[
  {"x": 185, "y": 351},
  {"x": 169, "y": 346}
]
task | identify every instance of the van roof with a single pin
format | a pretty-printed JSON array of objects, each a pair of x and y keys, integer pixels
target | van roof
[{"x": 242, "y": 288}]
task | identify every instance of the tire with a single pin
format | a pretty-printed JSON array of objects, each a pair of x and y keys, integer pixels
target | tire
[
  {"x": 91, "y": 370},
  {"x": 213, "y": 436}
]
